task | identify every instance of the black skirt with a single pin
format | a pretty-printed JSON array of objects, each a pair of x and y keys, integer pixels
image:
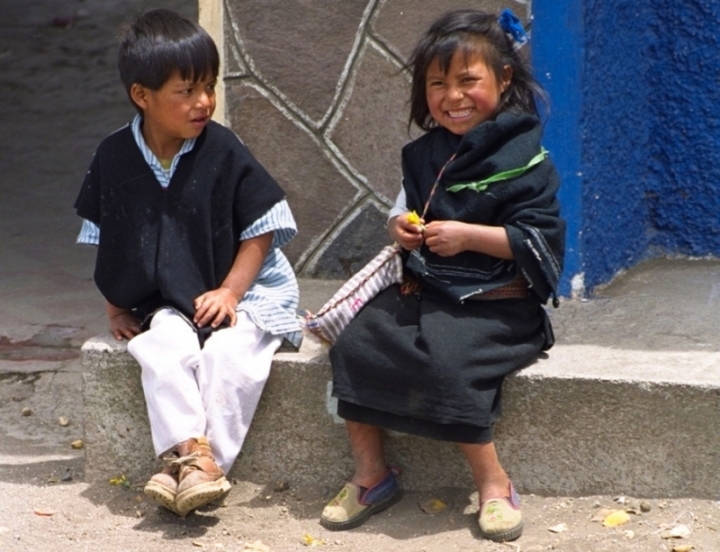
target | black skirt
[{"x": 432, "y": 368}]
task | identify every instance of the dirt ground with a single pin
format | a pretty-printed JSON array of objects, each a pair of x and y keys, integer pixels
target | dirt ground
[{"x": 60, "y": 96}]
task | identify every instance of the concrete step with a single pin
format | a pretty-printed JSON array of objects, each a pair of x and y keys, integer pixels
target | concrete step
[{"x": 627, "y": 402}]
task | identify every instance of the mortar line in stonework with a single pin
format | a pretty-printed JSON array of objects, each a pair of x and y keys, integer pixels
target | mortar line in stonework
[
  {"x": 339, "y": 99},
  {"x": 388, "y": 50},
  {"x": 290, "y": 110},
  {"x": 318, "y": 243},
  {"x": 312, "y": 254},
  {"x": 317, "y": 131},
  {"x": 339, "y": 161},
  {"x": 252, "y": 71},
  {"x": 371, "y": 42},
  {"x": 247, "y": 60}
]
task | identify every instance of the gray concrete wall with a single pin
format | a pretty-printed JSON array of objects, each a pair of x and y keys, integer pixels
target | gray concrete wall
[
  {"x": 315, "y": 89},
  {"x": 626, "y": 402}
]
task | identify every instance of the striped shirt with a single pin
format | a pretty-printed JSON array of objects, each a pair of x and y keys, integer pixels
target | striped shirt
[{"x": 272, "y": 299}]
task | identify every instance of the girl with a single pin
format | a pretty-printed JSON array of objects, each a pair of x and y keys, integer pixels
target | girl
[{"x": 429, "y": 357}]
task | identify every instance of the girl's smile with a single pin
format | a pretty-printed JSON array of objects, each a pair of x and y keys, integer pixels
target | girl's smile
[{"x": 466, "y": 95}]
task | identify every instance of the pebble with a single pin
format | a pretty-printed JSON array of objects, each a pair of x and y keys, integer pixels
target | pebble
[
  {"x": 63, "y": 421},
  {"x": 26, "y": 411}
]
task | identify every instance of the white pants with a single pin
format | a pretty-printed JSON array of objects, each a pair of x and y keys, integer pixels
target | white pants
[{"x": 212, "y": 391}]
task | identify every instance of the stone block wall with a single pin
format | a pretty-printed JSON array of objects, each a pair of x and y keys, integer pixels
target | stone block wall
[{"x": 317, "y": 92}]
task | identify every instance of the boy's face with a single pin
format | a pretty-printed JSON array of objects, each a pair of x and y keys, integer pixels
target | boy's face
[
  {"x": 467, "y": 95},
  {"x": 179, "y": 110}
]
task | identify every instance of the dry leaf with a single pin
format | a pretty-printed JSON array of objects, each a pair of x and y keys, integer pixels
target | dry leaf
[
  {"x": 120, "y": 480},
  {"x": 43, "y": 512},
  {"x": 432, "y": 506},
  {"x": 615, "y": 518},
  {"x": 309, "y": 540},
  {"x": 559, "y": 528},
  {"x": 198, "y": 544},
  {"x": 682, "y": 548},
  {"x": 677, "y": 532}
]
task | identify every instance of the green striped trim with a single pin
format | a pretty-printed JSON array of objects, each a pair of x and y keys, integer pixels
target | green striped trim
[{"x": 482, "y": 185}]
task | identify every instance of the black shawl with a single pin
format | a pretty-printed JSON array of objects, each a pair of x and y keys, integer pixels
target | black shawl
[{"x": 525, "y": 205}]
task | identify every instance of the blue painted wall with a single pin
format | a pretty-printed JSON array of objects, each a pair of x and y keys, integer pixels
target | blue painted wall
[{"x": 634, "y": 128}]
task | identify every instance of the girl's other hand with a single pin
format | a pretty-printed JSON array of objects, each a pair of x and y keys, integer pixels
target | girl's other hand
[
  {"x": 213, "y": 306},
  {"x": 446, "y": 237},
  {"x": 405, "y": 230},
  {"x": 124, "y": 326}
]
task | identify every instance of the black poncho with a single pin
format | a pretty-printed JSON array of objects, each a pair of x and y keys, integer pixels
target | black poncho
[{"x": 166, "y": 246}]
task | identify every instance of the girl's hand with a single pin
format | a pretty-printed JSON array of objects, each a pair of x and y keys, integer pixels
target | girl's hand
[
  {"x": 408, "y": 233},
  {"x": 124, "y": 326},
  {"x": 446, "y": 237},
  {"x": 213, "y": 306}
]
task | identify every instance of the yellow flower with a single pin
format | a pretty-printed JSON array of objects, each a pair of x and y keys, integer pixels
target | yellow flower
[{"x": 414, "y": 218}]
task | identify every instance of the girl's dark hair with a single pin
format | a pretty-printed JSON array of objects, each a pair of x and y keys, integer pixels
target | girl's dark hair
[
  {"x": 471, "y": 31},
  {"x": 161, "y": 42}
]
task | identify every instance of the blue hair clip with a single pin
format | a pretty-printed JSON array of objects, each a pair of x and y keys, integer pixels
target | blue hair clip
[{"x": 513, "y": 28}]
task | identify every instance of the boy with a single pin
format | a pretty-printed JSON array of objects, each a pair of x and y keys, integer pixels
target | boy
[{"x": 188, "y": 226}]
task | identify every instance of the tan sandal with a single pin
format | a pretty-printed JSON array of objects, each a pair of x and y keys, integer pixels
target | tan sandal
[
  {"x": 500, "y": 519},
  {"x": 354, "y": 505}
]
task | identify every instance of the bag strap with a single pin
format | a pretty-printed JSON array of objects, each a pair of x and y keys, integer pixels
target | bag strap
[{"x": 437, "y": 181}]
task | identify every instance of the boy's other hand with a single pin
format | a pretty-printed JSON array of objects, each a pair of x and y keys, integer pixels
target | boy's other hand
[
  {"x": 124, "y": 326},
  {"x": 213, "y": 306}
]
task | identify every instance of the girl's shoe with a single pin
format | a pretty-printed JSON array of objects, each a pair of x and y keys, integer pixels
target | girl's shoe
[
  {"x": 200, "y": 479},
  {"x": 500, "y": 519},
  {"x": 354, "y": 505}
]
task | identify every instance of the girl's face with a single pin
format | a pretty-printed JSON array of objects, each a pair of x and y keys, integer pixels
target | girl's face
[{"x": 467, "y": 95}]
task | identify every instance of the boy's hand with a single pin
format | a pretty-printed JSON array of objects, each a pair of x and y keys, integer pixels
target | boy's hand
[
  {"x": 407, "y": 230},
  {"x": 213, "y": 306},
  {"x": 124, "y": 326}
]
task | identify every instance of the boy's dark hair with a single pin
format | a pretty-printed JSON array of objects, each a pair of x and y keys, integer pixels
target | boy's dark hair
[
  {"x": 161, "y": 42},
  {"x": 471, "y": 31}
]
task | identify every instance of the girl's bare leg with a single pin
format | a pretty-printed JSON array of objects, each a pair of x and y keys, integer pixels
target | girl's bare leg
[
  {"x": 366, "y": 442},
  {"x": 489, "y": 476}
]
